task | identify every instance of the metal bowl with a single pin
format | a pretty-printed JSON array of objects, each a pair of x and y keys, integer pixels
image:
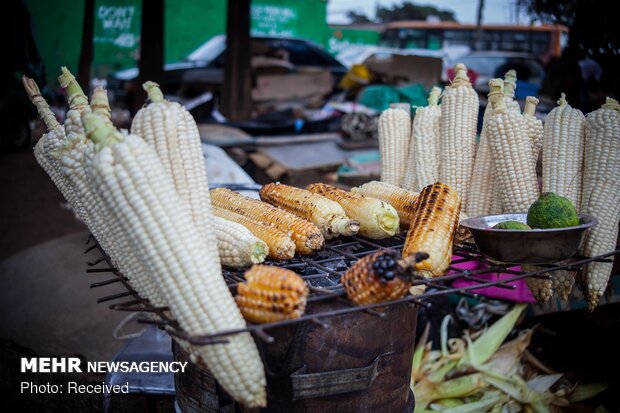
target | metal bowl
[{"x": 535, "y": 246}]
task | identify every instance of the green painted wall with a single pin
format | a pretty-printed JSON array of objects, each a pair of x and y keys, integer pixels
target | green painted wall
[
  {"x": 58, "y": 33},
  {"x": 188, "y": 24},
  {"x": 340, "y": 39}
]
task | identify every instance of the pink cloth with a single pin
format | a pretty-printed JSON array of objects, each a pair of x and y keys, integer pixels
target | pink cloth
[{"x": 520, "y": 294}]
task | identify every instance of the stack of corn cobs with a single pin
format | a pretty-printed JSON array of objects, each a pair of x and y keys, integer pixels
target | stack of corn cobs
[
  {"x": 580, "y": 161},
  {"x": 144, "y": 196}
]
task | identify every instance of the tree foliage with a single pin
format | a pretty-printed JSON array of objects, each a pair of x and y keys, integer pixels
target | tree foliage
[
  {"x": 592, "y": 23},
  {"x": 404, "y": 11}
]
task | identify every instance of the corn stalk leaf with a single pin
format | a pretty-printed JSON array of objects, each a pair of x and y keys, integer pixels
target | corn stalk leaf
[
  {"x": 543, "y": 383},
  {"x": 487, "y": 344},
  {"x": 480, "y": 406},
  {"x": 586, "y": 391},
  {"x": 426, "y": 391}
]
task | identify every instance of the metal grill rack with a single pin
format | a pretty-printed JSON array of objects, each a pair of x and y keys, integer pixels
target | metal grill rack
[{"x": 322, "y": 273}]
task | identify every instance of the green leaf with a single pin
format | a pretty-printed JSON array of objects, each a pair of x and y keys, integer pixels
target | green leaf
[{"x": 586, "y": 391}]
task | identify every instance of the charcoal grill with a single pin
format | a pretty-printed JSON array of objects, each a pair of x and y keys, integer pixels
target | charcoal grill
[{"x": 338, "y": 357}]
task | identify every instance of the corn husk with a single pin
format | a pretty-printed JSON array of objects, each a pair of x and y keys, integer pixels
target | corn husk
[{"x": 477, "y": 373}]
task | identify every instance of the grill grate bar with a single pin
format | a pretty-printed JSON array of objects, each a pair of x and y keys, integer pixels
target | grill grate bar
[{"x": 322, "y": 274}]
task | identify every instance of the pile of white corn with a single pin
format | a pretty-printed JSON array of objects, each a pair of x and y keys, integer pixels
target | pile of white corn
[
  {"x": 144, "y": 196},
  {"x": 580, "y": 160}
]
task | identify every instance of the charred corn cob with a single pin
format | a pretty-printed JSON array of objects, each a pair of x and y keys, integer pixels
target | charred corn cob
[
  {"x": 510, "y": 148},
  {"x": 281, "y": 246},
  {"x": 306, "y": 235},
  {"x": 326, "y": 214},
  {"x": 394, "y": 133},
  {"x": 271, "y": 294},
  {"x": 423, "y": 161},
  {"x": 237, "y": 246},
  {"x": 432, "y": 232},
  {"x": 563, "y": 151},
  {"x": 601, "y": 193},
  {"x": 458, "y": 127},
  {"x": 376, "y": 278},
  {"x": 534, "y": 127},
  {"x": 377, "y": 219},
  {"x": 402, "y": 200},
  {"x": 134, "y": 185}
]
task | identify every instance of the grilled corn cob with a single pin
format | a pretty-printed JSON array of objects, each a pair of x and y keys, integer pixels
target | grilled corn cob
[
  {"x": 563, "y": 151},
  {"x": 271, "y": 294},
  {"x": 135, "y": 186},
  {"x": 326, "y": 214},
  {"x": 376, "y": 278},
  {"x": 402, "y": 200},
  {"x": 237, "y": 246},
  {"x": 436, "y": 219},
  {"x": 377, "y": 219},
  {"x": 280, "y": 245},
  {"x": 458, "y": 126},
  {"x": 534, "y": 127},
  {"x": 423, "y": 162},
  {"x": 601, "y": 193},
  {"x": 511, "y": 151},
  {"x": 306, "y": 235},
  {"x": 394, "y": 134}
]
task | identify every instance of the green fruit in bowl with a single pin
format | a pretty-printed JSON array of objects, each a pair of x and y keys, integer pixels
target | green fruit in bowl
[
  {"x": 552, "y": 211},
  {"x": 511, "y": 225}
]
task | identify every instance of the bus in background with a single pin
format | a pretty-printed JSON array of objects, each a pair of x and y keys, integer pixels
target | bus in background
[{"x": 545, "y": 41}]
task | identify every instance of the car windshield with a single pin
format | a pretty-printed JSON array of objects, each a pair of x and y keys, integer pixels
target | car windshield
[
  {"x": 485, "y": 65},
  {"x": 209, "y": 50},
  {"x": 494, "y": 66}
]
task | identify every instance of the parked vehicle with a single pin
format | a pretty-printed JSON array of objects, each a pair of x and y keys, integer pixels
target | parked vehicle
[
  {"x": 203, "y": 69},
  {"x": 491, "y": 64}
]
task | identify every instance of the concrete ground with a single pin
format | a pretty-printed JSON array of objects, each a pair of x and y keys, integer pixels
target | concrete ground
[{"x": 46, "y": 305}]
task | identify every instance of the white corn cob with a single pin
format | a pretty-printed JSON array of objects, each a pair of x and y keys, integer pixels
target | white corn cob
[
  {"x": 563, "y": 151},
  {"x": 483, "y": 188},
  {"x": 541, "y": 288},
  {"x": 394, "y": 133},
  {"x": 72, "y": 155},
  {"x": 50, "y": 142},
  {"x": 171, "y": 130},
  {"x": 534, "y": 127},
  {"x": 458, "y": 123},
  {"x": 510, "y": 85},
  {"x": 601, "y": 193},
  {"x": 237, "y": 246},
  {"x": 78, "y": 102},
  {"x": 511, "y": 152},
  {"x": 136, "y": 188},
  {"x": 423, "y": 165},
  {"x": 563, "y": 282}
]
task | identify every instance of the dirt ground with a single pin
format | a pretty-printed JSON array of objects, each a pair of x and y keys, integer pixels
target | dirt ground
[{"x": 32, "y": 209}]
